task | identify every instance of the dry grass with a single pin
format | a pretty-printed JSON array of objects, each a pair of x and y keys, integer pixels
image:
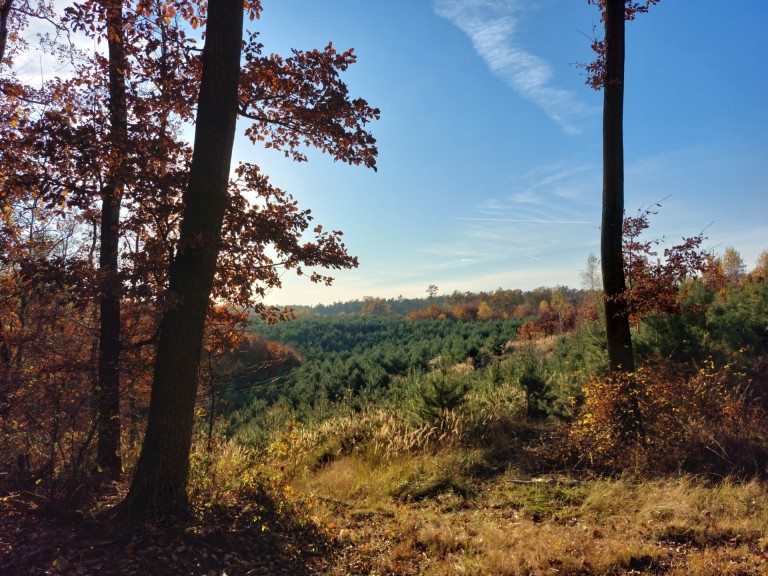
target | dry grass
[
  {"x": 544, "y": 345},
  {"x": 453, "y": 498},
  {"x": 503, "y": 527}
]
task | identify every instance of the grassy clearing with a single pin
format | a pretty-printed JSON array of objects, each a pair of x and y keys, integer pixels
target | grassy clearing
[
  {"x": 439, "y": 508},
  {"x": 521, "y": 464},
  {"x": 460, "y": 525}
]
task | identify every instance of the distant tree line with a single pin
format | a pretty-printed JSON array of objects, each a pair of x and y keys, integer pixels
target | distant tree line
[{"x": 468, "y": 306}]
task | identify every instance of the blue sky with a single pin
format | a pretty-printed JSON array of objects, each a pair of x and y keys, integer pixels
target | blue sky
[{"x": 490, "y": 142}]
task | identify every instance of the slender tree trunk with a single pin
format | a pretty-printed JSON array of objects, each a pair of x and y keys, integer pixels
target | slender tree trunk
[
  {"x": 621, "y": 361},
  {"x": 108, "y": 391},
  {"x": 5, "y": 11},
  {"x": 620, "y": 356},
  {"x": 159, "y": 485}
]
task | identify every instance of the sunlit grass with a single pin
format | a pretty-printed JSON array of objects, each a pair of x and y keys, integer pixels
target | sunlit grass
[
  {"x": 429, "y": 511},
  {"x": 482, "y": 488},
  {"x": 605, "y": 527}
]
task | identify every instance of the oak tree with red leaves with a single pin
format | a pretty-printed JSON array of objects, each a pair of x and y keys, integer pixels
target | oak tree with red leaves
[
  {"x": 654, "y": 281},
  {"x": 102, "y": 147},
  {"x": 108, "y": 458},
  {"x": 159, "y": 484}
]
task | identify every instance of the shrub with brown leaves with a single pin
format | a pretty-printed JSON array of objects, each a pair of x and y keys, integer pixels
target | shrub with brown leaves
[{"x": 701, "y": 423}]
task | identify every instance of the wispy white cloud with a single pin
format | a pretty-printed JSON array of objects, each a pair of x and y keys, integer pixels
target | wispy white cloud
[
  {"x": 491, "y": 25},
  {"x": 526, "y": 220},
  {"x": 544, "y": 215}
]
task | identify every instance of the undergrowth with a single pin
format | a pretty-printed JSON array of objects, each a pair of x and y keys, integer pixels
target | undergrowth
[{"x": 481, "y": 487}]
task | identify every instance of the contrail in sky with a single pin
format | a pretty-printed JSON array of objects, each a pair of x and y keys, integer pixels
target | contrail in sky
[
  {"x": 532, "y": 221},
  {"x": 493, "y": 26}
]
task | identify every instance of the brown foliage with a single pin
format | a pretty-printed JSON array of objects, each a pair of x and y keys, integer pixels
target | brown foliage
[
  {"x": 596, "y": 69},
  {"x": 653, "y": 283},
  {"x": 549, "y": 323},
  {"x": 465, "y": 312},
  {"x": 57, "y": 158},
  {"x": 702, "y": 423},
  {"x": 433, "y": 312}
]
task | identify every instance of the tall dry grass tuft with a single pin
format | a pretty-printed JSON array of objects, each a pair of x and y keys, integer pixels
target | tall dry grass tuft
[
  {"x": 233, "y": 486},
  {"x": 486, "y": 419}
]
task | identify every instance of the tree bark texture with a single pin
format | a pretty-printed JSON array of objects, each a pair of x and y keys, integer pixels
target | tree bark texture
[
  {"x": 620, "y": 355},
  {"x": 159, "y": 487},
  {"x": 108, "y": 393},
  {"x": 5, "y": 12}
]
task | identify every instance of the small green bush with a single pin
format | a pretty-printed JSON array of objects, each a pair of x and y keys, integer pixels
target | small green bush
[{"x": 443, "y": 390}]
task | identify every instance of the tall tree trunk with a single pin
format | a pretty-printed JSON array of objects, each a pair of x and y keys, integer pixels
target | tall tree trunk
[
  {"x": 621, "y": 360},
  {"x": 620, "y": 356},
  {"x": 5, "y": 12},
  {"x": 108, "y": 393},
  {"x": 159, "y": 485}
]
